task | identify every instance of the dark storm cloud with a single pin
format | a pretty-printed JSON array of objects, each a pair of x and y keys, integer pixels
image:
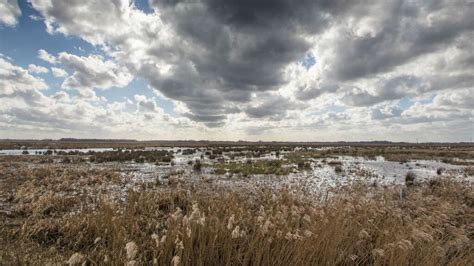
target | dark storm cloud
[
  {"x": 309, "y": 92},
  {"x": 273, "y": 107},
  {"x": 236, "y": 48},
  {"x": 307, "y": 15},
  {"x": 407, "y": 30},
  {"x": 240, "y": 47}
]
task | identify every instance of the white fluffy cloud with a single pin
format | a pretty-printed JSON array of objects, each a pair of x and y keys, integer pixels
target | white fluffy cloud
[
  {"x": 146, "y": 105},
  {"x": 17, "y": 82},
  {"x": 14, "y": 79},
  {"x": 58, "y": 72},
  {"x": 45, "y": 56},
  {"x": 93, "y": 72},
  {"x": 458, "y": 99},
  {"x": 37, "y": 69},
  {"x": 9, "y": 12},
  {"x": 25, "y": 109}
]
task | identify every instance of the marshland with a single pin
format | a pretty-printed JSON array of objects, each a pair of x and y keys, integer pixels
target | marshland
[
  {"x": 230, "y": 132},
  {"x": 197, "y": 203}
]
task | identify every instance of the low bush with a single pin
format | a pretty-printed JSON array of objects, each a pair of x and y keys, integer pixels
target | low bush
[
  {"x": 197, "y": 165},
  {"x": 410, "y": 178}
]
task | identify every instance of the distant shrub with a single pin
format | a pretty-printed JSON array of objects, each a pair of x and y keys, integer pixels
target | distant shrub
[
  {"x": 446, "y": 160},
  {"x": 335, "y": 163},
  {"x": 25, "y": 152},
  {"x": 189, "y": 151},
  {"x": 127, "y": 155},
  {"x": 46, "y": 160},
  {"x": 217, "y": 152},
  {"x": 439, "y": 171},
  {"x": 469, "y": 171},
  {"x": 274, "y": 163},
  {"x": 300, "y": 165},
  {"x": 140, "y": 160},
  {"x": 410, "y": 178},
  {"x": 338, "y": 169},
  {"x": 435, "y": 182},
  {"x": 220, "y": 171},
  {"x": 197, "y": 165},
  {"x": 303, "y": 165}
]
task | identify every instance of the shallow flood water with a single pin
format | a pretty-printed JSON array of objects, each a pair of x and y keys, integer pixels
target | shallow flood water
[
  {"x": 353, "y": 167},
  {"x": 320, "y": 174},
  {"x": 44, "y": 151}
]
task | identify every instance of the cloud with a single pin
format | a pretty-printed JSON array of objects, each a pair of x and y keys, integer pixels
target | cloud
[
  {"x": 24, "y": 109},
  {"x": 399, "y": 31},
  {"x": 307, "y": 92},
  {"x": 406, "y": 86},
  {"x": 14, "y": 79},
  {"x": 385, "y": 90},
  {"x": 460, "y": 99},
  {"x": 146, "y": 105},
  {"x": 93, "y": 72},
  {"x": 387, "y": 111},
  {"x": 273, "y": 107},
  {"x": 233, "y": 63},
  {"x": 34, "y": 17},
  {"x": 432, "y": 113},
  {"x": 58, "y": 72},
  {"x": 9, "y": 12},
  {"x": 37, "y": 69},
  {"x": 17, "y": 82},
  {"x": 45, "y": 56},
  {"x": 234, "y": 49},
  {"x": 212, "y": 55}
]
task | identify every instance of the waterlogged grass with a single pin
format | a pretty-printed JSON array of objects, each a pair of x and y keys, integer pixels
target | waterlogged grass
[
  {"x": 426, "y": 224},
  {"x": 127, "y": 155},
  {"x": 401, "y": 154},
  {"x": 275, "y": 167}
]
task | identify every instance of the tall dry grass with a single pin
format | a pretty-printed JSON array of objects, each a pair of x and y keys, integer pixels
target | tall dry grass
[{"x": 425, "y": 224}]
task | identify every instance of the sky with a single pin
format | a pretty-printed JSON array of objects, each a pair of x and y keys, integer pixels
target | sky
[{"x": 274, "y": 70}]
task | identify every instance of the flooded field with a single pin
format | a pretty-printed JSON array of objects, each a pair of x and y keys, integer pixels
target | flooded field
[
  {"x": 314, "y": 169},
  {"x": 44, "y": 188}
]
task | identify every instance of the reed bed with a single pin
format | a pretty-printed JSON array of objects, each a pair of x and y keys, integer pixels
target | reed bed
[{"x": 427, "y": 223}]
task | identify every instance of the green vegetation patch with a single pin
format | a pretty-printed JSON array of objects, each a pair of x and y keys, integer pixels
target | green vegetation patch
[
  {"x": 247, "y": 168},
  {"x": 136, "y": 156}
]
